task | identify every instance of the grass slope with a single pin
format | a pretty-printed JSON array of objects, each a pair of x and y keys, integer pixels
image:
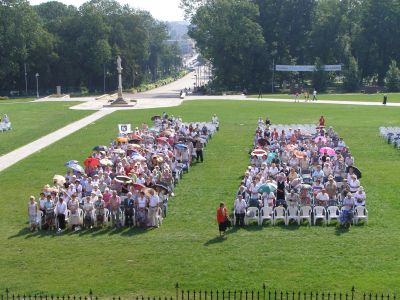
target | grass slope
[
  {"x": 31, "y": 121},
  {"x": 186, "y": 248}
]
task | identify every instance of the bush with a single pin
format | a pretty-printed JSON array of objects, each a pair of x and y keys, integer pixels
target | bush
[{"x": 392, "y": 78}]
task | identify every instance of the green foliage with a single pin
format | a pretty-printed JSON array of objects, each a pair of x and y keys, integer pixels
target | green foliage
[
  {"x": 320, "y": 77},
  {"x": 351, "y": 80},
  {"x": 73, "y": 47},
  {"x": 392, "y": 79},
  {"x": 297, "y": 32}
]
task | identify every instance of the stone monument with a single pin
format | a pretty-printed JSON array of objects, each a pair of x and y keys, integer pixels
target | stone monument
[{"x": 120, "y": 99}]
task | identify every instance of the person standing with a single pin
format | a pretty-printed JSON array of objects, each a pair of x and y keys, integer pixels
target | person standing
[
  {"x": 115, "y": 203},
  {"x": 32, "y": 213},
  {"x": 154, "y": 202},
  {"x": 128, "y": 208},
  {"x": 61, "y": 210},
  {"x": 321, "y": 121},
  {"x": 240, "y": 210},
  {"x": 384, "y": 99},
  {"x": 314, "y": 97},
  {"x": 199, "y": 149},
  {"x": 222, "y": 216}
]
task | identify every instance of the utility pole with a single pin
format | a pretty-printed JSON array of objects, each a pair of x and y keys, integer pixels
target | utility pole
[
  {"x": 26, "y": 81},
  {"x": 273, "y": 75},
  {"x": 37, "y": 84}
]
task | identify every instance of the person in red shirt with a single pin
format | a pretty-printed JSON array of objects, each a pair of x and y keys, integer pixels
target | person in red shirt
[
  {"x": 222, "y": 216},
  {"x": 322, "y": 121}
]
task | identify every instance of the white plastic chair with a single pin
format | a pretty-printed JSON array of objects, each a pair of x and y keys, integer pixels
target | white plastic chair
[
  {"x": 279, "y": 214},
  {"x": 159, "y": 217},
  {"x": 292, "y": 214},
  {"x": 106, "y": 217},
  {"x": 333, "y": 213},
  {"x": 305, "y": 214},
  {"x": 39, "y": 218},
  {"x": 360, "y": 213},
  {"x": 319, "y": 213},
  {"x": 252, "y": 214},
  {"x": 266, "y": 213}
]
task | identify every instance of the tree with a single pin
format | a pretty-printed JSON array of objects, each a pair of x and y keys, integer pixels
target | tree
[
  {"x": 351, "y": 80},
  {"x": 320, "y": 78},
  {"x": 392, "y": 78},
  {"x": 227, "y": 34}
]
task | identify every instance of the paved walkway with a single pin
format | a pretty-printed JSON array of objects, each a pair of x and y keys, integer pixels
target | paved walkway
[
  {"x": 165, "y": 96},
  {"x": 15, "y": 156}
]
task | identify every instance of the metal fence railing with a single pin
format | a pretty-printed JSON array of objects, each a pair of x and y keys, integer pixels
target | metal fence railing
[{"x": 181, "y": 294}]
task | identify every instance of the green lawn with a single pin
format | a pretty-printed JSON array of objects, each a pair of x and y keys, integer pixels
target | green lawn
[
  {"x": 186, "y": 248},
  {"x": 392, "y": 97},
  {"x": 31, "y": 121}
]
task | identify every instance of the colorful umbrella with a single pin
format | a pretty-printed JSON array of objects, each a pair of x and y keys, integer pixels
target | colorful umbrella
[
  {"x": 138, "y": 186},
  {"x": 106, "y": 162},
  {"x": 71, "y": 162},
  {"x": 58, "y": 179},
  {"x": 299, "y": 154},
  {"x": 271, "y": 156},
  {"x": 123, "y": 179},
  {"x": 327, "y": 150},
  {"x": 77, "y": 168},
  {"x": 136, "y": 137},
  {"x": 259, "y": 152},
  {"x": 91, "y": 162},
  {"x": 180, "y": 146},
  {"x": 267, "y": 188},
  {"x": 320, "y": 138},
  {"x": 100, "y": 148},
  {"x": 147, "y": 191},
  {"x": 118, "y": 151},
  {"x": 162, "y": 139},
  {"x": 121, "y": 139}
]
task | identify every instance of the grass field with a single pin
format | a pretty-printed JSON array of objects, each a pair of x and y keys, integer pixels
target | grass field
[
  {"x": 392, "y": 97},
  {"x": 186, "y": 248},
  {"x": 31, "y": 121}
]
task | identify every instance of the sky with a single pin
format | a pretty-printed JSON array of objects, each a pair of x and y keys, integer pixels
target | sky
[{"x": 164, "y": 10}]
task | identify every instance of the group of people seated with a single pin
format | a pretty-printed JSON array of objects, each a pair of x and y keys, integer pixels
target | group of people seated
[
  {"x": 5, "y": 123},
  {"x": 391, "y": 135},
  {"x": 127, "y": 183},
  {"x": 293, "y": 166}
]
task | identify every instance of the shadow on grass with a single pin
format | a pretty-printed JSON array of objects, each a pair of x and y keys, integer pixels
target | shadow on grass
[
  {"x": 93, "y": 232},
  {"x": 341, "y": 230}
]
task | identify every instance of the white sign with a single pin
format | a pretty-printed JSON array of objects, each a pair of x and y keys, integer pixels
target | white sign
[
  {"x": 307, "y": 68},
  {"x": 124, "y": 128}
]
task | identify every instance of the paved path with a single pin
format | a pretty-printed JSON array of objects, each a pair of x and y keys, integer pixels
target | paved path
[
  {"x": 164, "y": 96},
  {"x": 15, "y": 156}
]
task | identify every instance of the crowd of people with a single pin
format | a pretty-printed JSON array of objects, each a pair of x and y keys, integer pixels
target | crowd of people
[
  {"x": 300, "y": 165},
  {"x": 127, "y": 183},
  {"x": 5, "y": 123}
]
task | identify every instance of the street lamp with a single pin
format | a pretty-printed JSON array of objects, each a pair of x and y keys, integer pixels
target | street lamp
[
  {"x": 195, "y": 80},
  {"x": 37, "y": 84}
]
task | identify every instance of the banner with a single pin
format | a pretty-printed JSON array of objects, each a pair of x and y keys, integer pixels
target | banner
[
  {"x": 124, "y": 128},
  {"x": 307, "y": 68}
]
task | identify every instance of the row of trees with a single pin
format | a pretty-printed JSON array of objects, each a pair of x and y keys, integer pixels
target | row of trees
[
  {"x": 242, "y": 39},
  {"x": 76, "y": 47}
]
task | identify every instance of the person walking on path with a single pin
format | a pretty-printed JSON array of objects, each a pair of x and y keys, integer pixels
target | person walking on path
[
  {"x": 222, "y": 218},
  {"x": 384, "y": 99},
  {"x": 314, "y": 95}
]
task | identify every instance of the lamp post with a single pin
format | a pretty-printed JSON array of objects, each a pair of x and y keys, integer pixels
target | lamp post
[
  {"x": 26, "y": 80},
  {"x": 104, "y": 78},
  {"x": 195, "y": 80},
  {"x": 37, "y": 84}
]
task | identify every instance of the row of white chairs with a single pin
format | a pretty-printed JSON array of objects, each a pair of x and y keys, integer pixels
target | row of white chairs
[
  {"x": 5, "y": 126},
  {"x": 312, "y": 215},
  {"x": 107, "y": 217}
]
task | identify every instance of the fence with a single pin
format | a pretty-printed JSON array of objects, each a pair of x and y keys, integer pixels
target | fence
[{"x": 263, "y": 294}]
